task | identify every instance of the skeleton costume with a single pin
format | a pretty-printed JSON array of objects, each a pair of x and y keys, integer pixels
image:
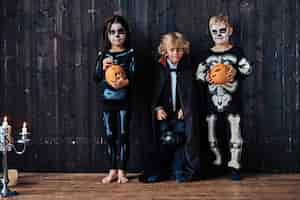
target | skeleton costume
[
  {"x": 115, "y": 106},
  {"x": 224, "y": 101}
]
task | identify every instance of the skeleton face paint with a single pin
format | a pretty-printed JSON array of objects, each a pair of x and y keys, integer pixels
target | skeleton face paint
[
  {"x": 220, "y": 33},
  {"x": 117, "y": 35}
]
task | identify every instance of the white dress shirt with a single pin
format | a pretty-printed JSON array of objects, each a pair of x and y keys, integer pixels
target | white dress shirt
[{"x": 173, "y": 83}]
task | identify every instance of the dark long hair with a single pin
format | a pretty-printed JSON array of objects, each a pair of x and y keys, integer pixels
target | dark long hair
[{"x": 107, "y": 25}]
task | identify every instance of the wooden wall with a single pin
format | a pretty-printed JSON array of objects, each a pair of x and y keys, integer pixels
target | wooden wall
[{"x": 48, "y": 51}]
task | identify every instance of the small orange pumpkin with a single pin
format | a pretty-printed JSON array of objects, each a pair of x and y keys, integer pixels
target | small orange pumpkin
[
  {"x": 114, "y": 73},
  {"x": 218, "y": 73}
]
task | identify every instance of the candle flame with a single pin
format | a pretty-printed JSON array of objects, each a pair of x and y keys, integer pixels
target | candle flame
[
  {"x": 24, "y": 125},
  {"x": 5, "y": 123}
]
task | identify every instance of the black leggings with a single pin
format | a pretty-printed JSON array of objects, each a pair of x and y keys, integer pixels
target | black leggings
[{"x": 116, "y": 132}]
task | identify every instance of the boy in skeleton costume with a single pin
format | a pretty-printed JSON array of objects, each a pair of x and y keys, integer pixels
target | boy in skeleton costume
[{"x": 222, "y": 70}]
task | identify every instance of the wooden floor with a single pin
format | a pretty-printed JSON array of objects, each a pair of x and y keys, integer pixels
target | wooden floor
[{"x": 44, "y": 186}]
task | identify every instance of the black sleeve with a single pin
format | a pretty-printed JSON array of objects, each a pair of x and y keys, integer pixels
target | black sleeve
[
  {"x": 99, "y": 73},
  {"x": 243, "y": 63},
  {"x": 202, "y": 60},
  {"x": 156, "y": 88},
  {"x": 132, "y": 66}
]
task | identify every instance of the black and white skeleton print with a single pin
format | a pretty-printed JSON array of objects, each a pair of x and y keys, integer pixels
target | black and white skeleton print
[{"x": 224, "y": 97}]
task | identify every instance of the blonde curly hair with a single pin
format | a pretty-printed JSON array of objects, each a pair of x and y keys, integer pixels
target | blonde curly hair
[
  {"x": 219, "y": 19},
  {"x": 175, "y": 39}
]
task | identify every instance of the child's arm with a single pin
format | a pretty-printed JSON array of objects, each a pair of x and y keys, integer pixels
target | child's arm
[
  {"x": 201, "y": 73},
  {"x": 131, "y": 75},
  {"x": 132, "y": 66},
  {"x": 99, "y": 74},
  {"x": 244, "y": 67},
  {"x": 157, "y": 108},
  {"x": 106, "y": 63}
]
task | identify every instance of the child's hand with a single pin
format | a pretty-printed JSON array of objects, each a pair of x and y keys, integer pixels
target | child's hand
[
  {"x": 106, "y": 63},
  {"x": 231, "y": 74},
  {"x": 161, "y": 114},
  {"x": 180, "y": 114},
  {"x": 120, "y": 83}
]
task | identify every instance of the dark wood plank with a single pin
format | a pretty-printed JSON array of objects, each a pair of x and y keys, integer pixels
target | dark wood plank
[
  {"x": 248, "y": 39},
  {"x": 297, "y": 79},
  {"x": 289, "y": 70},
  {"x": 258, "y": 71}
]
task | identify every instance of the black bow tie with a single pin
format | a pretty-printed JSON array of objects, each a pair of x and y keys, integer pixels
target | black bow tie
[{"x": 173, "y": 70}]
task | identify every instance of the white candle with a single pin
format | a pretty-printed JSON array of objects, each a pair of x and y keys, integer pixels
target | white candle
[
  {"x": 24, "y": 129},
  {"x": 7, "y": 129}
]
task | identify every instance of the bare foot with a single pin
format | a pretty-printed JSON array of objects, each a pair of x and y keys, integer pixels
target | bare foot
[
  {"x": 112, "y": 176},
  {"x": 122, "y": 177}
]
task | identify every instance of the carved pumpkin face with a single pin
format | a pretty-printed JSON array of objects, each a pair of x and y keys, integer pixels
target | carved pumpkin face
[
  {"x": 114, "y": 73},
  {"x": 219, "y": 72}
]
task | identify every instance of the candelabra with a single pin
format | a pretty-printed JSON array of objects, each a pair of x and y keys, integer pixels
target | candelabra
[{"x": 6, "y": 145}]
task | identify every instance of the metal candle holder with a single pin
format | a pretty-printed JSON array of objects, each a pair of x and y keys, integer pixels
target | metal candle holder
[{"x": 7, "y": 145}]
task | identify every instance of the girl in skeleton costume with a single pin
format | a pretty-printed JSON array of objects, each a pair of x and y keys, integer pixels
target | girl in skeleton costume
[
  {"x": 222, "y": 70},
  {"x": 115, "y": 68}
]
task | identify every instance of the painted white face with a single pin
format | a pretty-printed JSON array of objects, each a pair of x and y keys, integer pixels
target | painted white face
[
  {"x": 174, "y": 54},
  {"x": 220, "y": 33},
  {"x": 117, "y": 35}
]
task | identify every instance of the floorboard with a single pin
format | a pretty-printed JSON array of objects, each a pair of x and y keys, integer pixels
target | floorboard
[{"x": 73, "y": 186}]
